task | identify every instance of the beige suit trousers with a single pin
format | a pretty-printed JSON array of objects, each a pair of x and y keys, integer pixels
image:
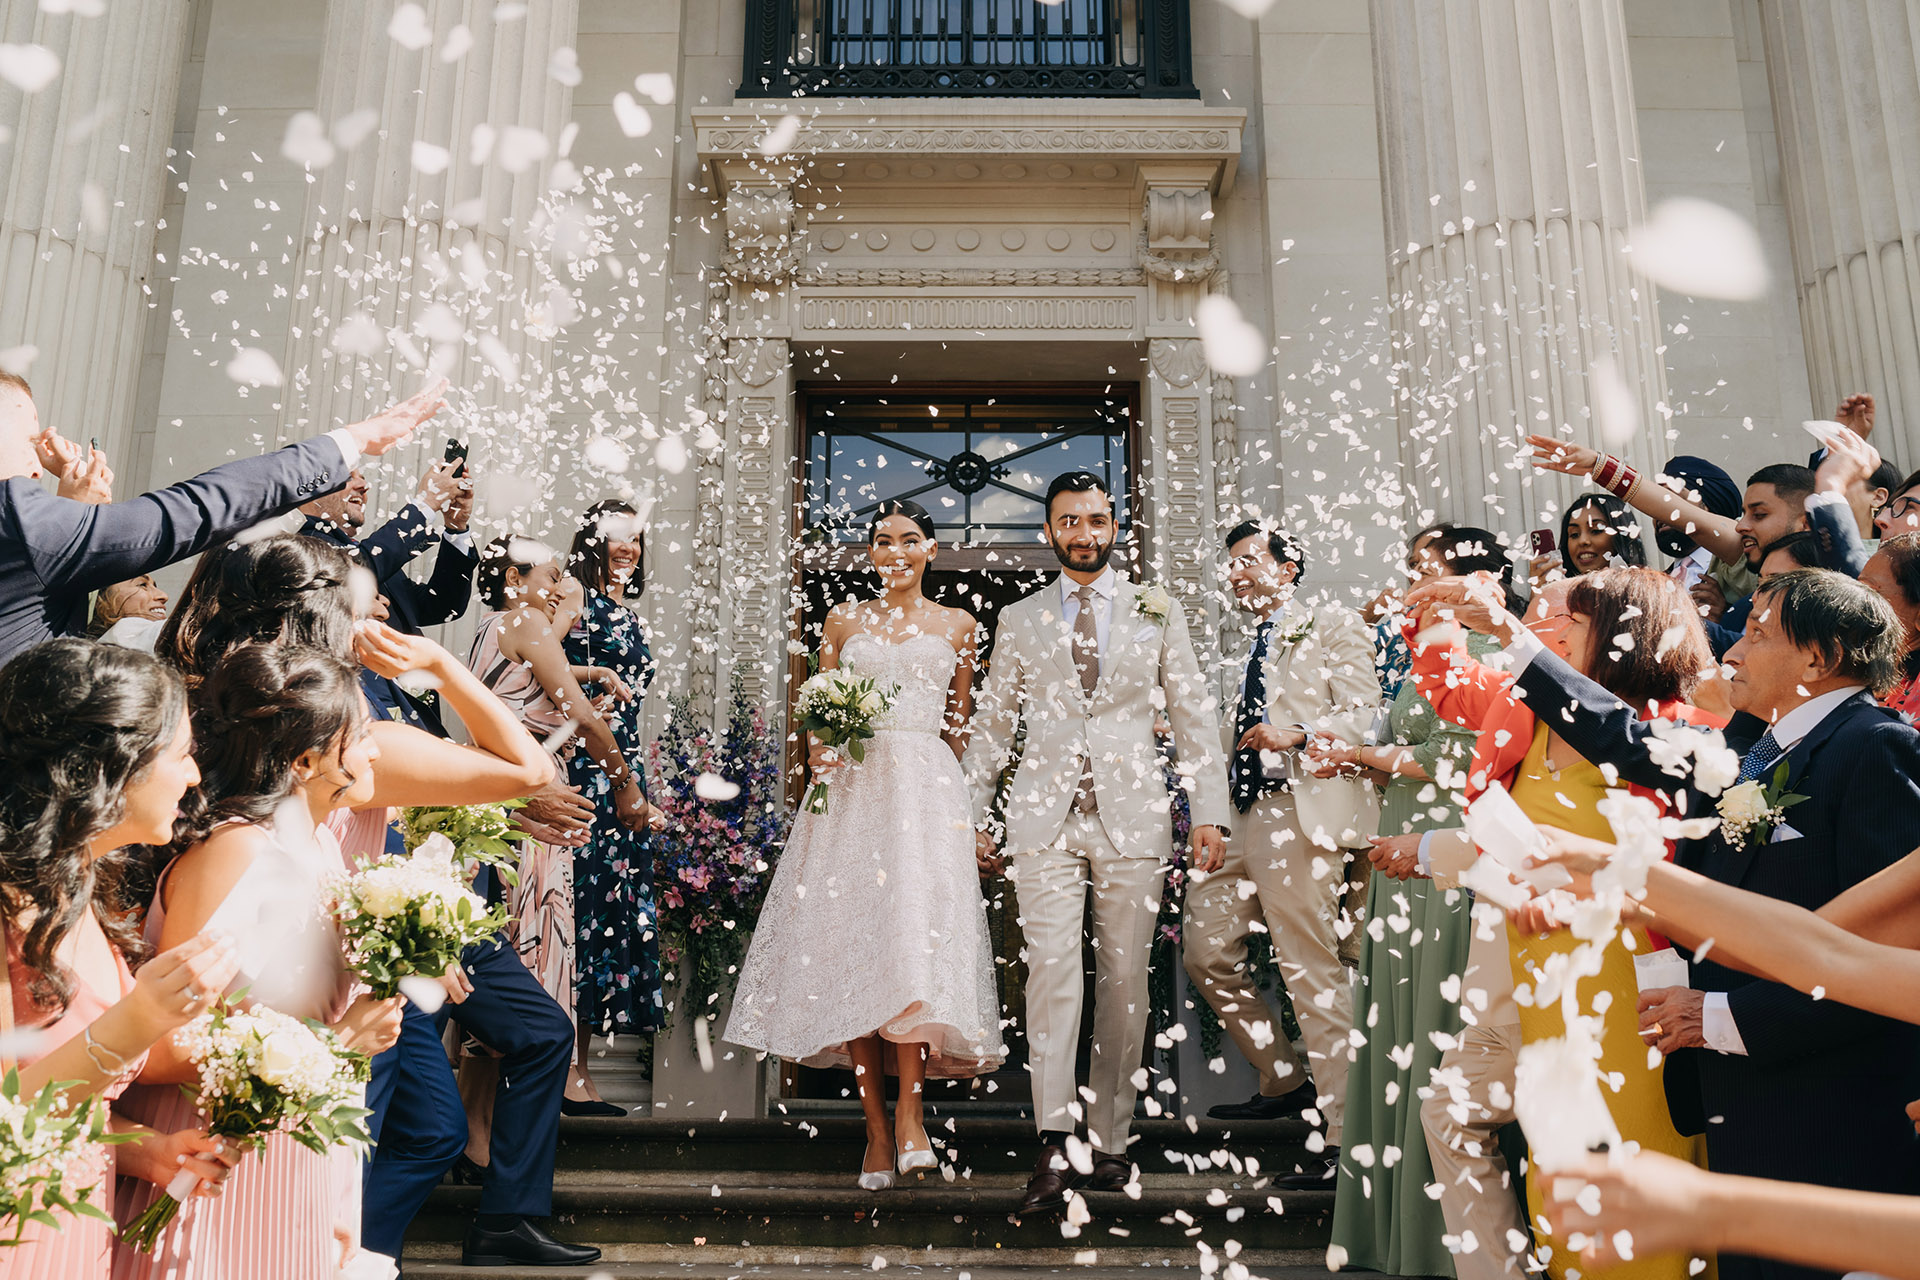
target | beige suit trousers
[
  {"x": 1273, "y": 878},
  {"x": 1051, "y": 887},
  {"x": 1472, "y": 1098}
]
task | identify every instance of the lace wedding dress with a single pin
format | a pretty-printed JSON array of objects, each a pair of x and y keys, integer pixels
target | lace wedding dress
[{"x": 874, "y": 920}]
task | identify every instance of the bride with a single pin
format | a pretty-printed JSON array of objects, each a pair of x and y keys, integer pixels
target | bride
[{"x": 873, "y": 942}]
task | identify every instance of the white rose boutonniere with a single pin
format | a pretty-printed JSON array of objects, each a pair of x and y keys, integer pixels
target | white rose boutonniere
[
  {"x": 1750, "y": 810},
  {"x": 1296, "y": 633},
  {"x": 1154, "y": 604}
]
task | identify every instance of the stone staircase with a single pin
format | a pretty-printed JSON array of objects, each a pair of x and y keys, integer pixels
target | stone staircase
[{"x": 776, "y": 1197}]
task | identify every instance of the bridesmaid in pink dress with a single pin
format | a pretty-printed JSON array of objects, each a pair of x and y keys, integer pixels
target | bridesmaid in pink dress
[
  {"x": 284, "y": 742},
  {"x": 95, "y": 755}
]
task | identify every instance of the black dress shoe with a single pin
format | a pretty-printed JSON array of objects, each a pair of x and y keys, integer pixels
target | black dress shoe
[
  {"x": 1316, "y": 1175},
  {"x": 1260, "y": 1107},
  {"x": 589, "y": 1107},
  {"x": 1110, "y": 1173},
  {"x": 525, "y": 1245},
  {"x": 465, "y": 1173},
  {"x": 1052, "y": 1178}
]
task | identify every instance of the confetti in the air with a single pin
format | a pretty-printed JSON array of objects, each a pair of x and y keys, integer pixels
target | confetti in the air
[
  {"x": 306, "y": 142},
  {"x": 713, "y": 787},
  {"x": 1696, "y": 247},
  {"x": 409, "y": 28},
  {"x": 564, "y": 67},
  {"x": 1233, "y": 346},
  {"x": 779, "y": 139},
  {"x": 430, "y": 158},
  {"x": 255, "y": 367},
  {"x": 635, "y": 121},
  {"x": 28, "y": 67}
]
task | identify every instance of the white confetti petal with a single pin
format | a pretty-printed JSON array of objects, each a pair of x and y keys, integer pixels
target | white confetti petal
[
  {"x": 351, "y": 129},
  {"x": 633, "y": 118},
  {"x": 501, "y": 360},
  {"x": 603, "y": 453},
  {"x": 254, "y": 367},
  {"x": 521, "y": 148},
  {"x": 429, "y": 158},
  {"x": 671, "y": 454},
  {"x": 1696, "y": 247},
  {"x": 28, "y": 67},
  {"x": 779, "y": 139},
  {"x": 306, "y": 141},
  {"x": 508, "y": 10},
  {"x": 713, "y": 787},
  {"x": 1616, "y": 409},
  {"x": 564, "y": 67},
  {"x": 458, "y": 42},
  {"x": 409, "y": 28},
  {"x": 1249, "y": 8},
  {"x": 81, "y": 8},
  {"x": 1233, "y": 347},
  {"x": 656, "y": 87},
  {"x": 426, "y": 993}
]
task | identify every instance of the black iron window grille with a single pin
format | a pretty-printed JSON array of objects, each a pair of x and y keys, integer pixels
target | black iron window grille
[{"x": 968, "y": 48}]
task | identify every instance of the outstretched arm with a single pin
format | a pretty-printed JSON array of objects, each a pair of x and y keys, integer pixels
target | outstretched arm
[{"x": 1714, "y": 532}]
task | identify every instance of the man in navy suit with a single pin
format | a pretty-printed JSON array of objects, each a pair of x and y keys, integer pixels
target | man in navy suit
[
  {"x": 55, "y": 549},
  {"x": 437, "y": 516},
  {"x": 1783, "y": 1085}
]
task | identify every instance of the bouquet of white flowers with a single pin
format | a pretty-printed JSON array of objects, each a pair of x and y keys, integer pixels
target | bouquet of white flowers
[
  {"x": 263, "y": 1072},
  {"x": 839, "y": 708},
  {"x": 406, "y": 916},
  {"x": 43, "y": 1158},
  {"x": 479, "y": 832}
]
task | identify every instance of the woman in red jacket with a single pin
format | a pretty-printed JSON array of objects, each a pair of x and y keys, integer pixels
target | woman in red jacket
[{"x": 1635, "y": 632}]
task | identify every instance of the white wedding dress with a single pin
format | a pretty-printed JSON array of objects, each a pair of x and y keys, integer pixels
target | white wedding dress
[{"x": 874, "y": 920}]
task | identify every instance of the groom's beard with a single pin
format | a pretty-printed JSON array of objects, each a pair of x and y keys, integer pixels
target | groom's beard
[{"x": 1082, "y": 559}]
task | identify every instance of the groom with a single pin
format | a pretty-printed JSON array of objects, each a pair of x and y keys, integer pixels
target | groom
[{"x": 1085, "y": 662}]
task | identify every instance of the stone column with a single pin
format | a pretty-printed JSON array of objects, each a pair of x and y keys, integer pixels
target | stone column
[
  {"x": 1510, "y": 164},
  {"x": 1845, "y": 78},
  {"x": 83, "y": 168},
  {"x": 432, "y": 226}
]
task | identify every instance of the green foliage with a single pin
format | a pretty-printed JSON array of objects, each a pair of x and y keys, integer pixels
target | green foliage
[
  {"x": 479, "y": 832},
  {"x": 41, "y": 1143}
]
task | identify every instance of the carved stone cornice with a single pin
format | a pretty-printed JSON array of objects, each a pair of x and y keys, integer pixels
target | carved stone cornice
[
  {"x": 1181, "y": 362},
  {"x": 759, "y": 220},
  {"x": 974, "y": 277}
]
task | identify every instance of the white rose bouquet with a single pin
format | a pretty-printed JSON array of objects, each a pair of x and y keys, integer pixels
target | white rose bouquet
[
  {"x": 264, "y": 1072},
  {"x": 402, "y": 917},
  {"x": 839, "y": 709},
  {"x": 44, "y": 1158}
]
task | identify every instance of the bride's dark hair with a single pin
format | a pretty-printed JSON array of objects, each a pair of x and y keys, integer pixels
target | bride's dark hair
[
  {"x": 901, "y": 507},
  {"x": 79, "y": 721}
]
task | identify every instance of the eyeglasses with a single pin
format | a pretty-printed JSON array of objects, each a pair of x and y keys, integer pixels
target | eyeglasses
[{"x": 1901, "y": 508}]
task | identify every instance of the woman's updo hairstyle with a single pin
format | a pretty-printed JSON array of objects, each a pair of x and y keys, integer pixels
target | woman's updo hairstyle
[
  {"x": 503, "y": 553},
  {"x": 280, "y": 590},
  {"x": 79, "y": 722},
  {"x": 261, "y": 709},
  {"x": 1465, "y": 549},
  {"x": 913, "y": 511}
]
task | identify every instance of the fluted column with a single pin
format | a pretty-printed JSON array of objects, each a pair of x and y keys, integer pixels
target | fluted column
[
  {"x": 425, "y": 238},
  {"x": 1510, "y": 162},
  {"x": 1845, "y": 78},
  {"x": 83, "y": 167}
]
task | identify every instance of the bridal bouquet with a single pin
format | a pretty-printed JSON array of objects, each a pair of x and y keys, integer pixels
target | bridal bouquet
[
  {"x": 402, "y": 917},
  {"x": 44, "y": 1158},
  {"x": 479, "y": 832},
  {"x": 839, "y": 708},
  {"x": 263, "y": 1072}
]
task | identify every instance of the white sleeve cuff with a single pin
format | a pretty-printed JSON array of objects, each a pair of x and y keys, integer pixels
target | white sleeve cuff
[
  {"x": 1520, "y": 654},
  {"x": 349, "y": 448},
  {"x": 1829, "y": 498},
  {"x": 1717, "y": 1026},
  {"x": 1423, "y": 858},
  {"x": 460, "y": 540}
]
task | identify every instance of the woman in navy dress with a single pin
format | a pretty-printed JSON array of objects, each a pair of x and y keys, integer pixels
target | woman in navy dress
[{"x": 618, "y": 954}]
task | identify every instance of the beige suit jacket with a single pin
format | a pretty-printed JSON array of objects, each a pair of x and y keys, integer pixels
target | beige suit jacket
[
  {"x": 1326, "y": 681},
  {"x": 1148, "y": 666}
]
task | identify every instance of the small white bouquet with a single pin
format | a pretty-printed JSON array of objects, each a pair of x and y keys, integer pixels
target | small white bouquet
[
  {"x": 402, "y": 917},
  {"x": 44, "y": 1150},
  {"x": 264, "y": 1072},
  {"x": 839, "y": 708}
]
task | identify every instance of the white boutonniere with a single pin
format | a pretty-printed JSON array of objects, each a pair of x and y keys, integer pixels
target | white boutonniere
[
  {"x": 1154, "y": 604},
  {"x": 1749, "y": 811},
  {"x": 1296, "y": 633}
]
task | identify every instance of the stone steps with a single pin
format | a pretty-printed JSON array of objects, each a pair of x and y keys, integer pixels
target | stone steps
[{"x": 658, "y": 1196}]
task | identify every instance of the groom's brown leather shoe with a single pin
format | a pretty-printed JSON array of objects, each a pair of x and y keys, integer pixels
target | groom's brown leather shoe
[
  {"x": 1052, "y": 1178},
  {"x": 1110, "y": 1173}
]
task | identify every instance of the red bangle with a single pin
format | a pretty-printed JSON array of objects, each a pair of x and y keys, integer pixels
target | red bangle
[{"x": 1615, "y": 476}]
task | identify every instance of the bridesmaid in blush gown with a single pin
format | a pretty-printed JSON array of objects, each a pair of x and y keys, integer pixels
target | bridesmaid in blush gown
[
  {"x": 94, "y": 756},
  {"x": 873, "y": 940}
]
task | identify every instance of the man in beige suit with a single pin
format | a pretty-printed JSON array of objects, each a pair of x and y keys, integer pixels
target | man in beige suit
[
  {"x": 1084, "y": 663},
  {"x": 1309, "y": 675}
]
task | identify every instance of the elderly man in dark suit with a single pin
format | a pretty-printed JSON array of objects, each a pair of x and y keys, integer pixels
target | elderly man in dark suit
[
  {"x": 1783, "y": 1085},
  {"x": 54, "y": 549}
]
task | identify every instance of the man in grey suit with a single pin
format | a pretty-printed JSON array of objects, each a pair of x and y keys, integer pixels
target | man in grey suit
[
  {"x": 1085, "y": 662},
  {"x": 54, "y": 549}
]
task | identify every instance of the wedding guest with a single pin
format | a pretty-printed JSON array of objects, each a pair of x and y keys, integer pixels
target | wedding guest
[
  {"x": 1597, "y": 532},
  {"x": 54, "y": 550},
  {"x": 1893, "y": 573},
  {"x": 888, "y": 956},
  {"x": 1634, "y": 632},
  {"x": 1900, "y": 513},
  {"x": 1309, "y": 675},
  {"x": 1794, "y": 1088},
  {"x": 617, "y": 925},
  {"x": 436, "y": 517},
  {"x": 129, "y": 614},
  {"x": 1415, "y": 944},
  {"x": 94, "y": 757},
  {"x": 281, "y": 739},
  {"x": 1707, "y": 486}
]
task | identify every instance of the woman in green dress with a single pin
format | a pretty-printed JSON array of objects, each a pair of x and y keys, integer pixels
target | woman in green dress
[{"x": 1415, "y": 941}]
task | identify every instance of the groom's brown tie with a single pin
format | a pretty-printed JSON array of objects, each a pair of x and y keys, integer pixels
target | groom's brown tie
[{"x": 1086, "y": 659}]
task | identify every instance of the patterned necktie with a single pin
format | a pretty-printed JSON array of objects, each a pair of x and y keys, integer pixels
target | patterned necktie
[
  {"x": 1249, "y": 777},
  {"x": 1086, "y": 641},
  {"x": 1760, "y": 757},
  {"x": 1086, "y": 660}
]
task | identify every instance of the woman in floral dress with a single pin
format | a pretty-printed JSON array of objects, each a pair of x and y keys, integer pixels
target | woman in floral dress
[{"x": 618, "y": 956}]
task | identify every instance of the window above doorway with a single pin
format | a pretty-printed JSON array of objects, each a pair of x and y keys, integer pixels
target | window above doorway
[{"x": 968, "y": 48}]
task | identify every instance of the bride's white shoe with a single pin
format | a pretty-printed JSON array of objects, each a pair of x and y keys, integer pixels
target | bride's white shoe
[
  {"x": 881, "y": 1181},
  {"x": 918, "y": 1161}
]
